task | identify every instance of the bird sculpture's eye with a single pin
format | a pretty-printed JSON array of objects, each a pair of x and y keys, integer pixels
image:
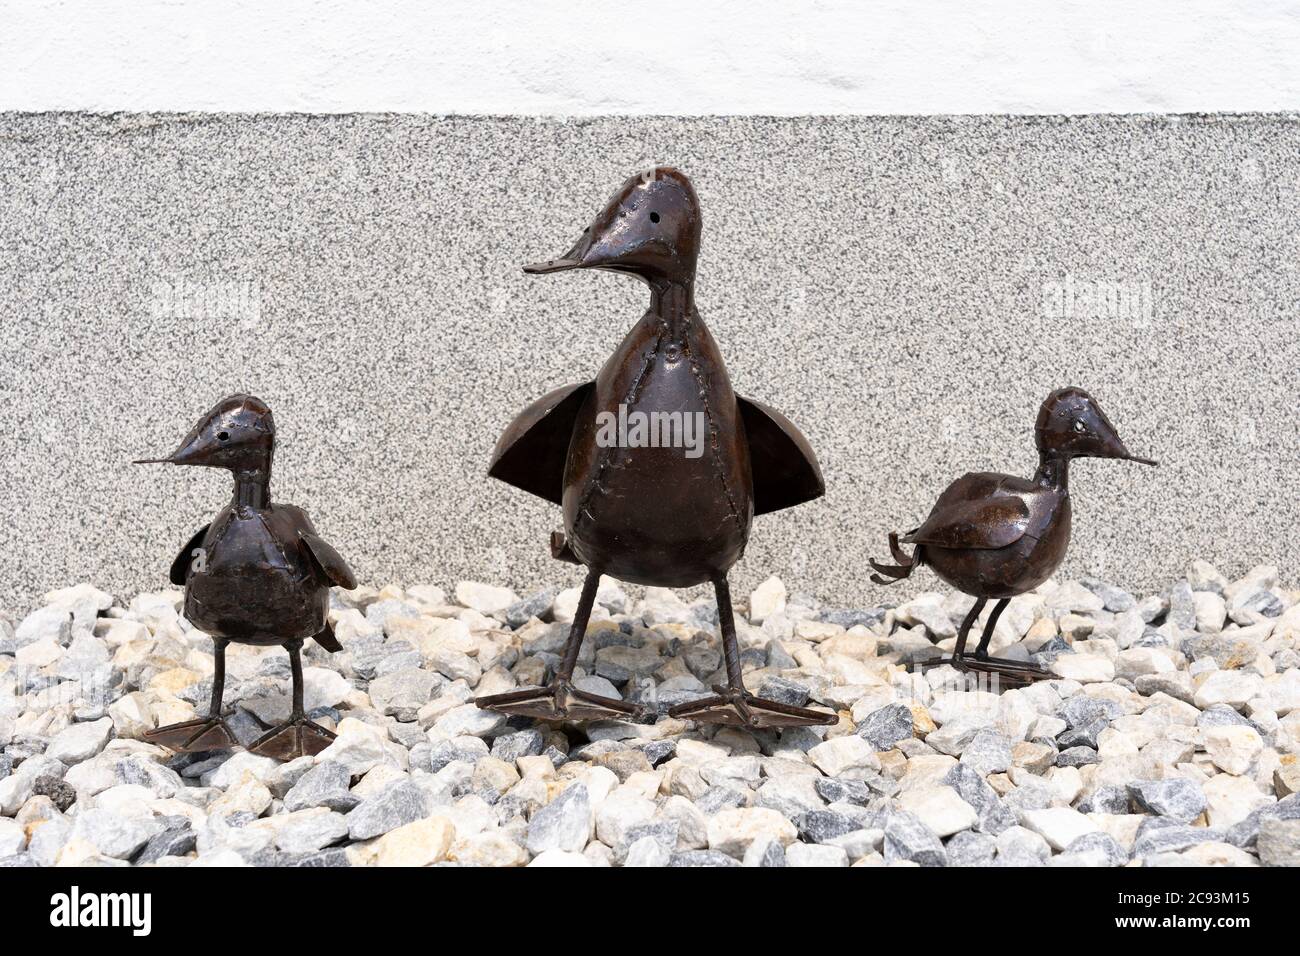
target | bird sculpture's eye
[
  {"x": 1078, "y": 427},
  {"x": 654, "y": 217},
  {"x": 223, "y": 436}
]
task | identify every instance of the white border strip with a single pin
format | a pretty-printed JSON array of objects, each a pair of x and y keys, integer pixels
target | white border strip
[{"x": 659, "y": 57}]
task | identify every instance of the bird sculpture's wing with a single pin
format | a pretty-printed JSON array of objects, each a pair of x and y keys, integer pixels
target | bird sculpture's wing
[
  {"x": 785, "y": 469},
  {"x": 992, "y": 522},
  {"x": 180, "y": 570},
  {"x": 532, "y": 450},
  {"x": 328, "y": 561}
]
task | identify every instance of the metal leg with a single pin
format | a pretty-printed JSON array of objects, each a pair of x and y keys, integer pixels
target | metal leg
[
  {"x": 561, "y": 700},
  {"x": 202, "y": 733},
  {"x": 1018, "y": 672},
  {"x": 578, "y": 629},
  {"x": 727, "y": 625},
  {"x": 964, "y": 631},
  {"x": 990, "y": 625},
  {"x": 733, "y": 704},
  {"x": 297, "y": 736},
  {"x": 218, "y": 678},
  {"x": 295, "y": 667}
]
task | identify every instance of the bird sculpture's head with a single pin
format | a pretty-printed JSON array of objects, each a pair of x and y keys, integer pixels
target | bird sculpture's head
[
  {"x": 237, "y": 434},
  {"x": 1072, "y": 425},
  {"x": 649, "y": 229}
]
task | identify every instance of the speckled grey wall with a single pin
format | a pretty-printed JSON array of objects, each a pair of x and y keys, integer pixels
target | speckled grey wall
[{"x": 907, "y": 290}]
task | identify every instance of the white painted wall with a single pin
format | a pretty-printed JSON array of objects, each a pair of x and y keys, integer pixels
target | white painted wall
[{"x": 659, "y": 56}]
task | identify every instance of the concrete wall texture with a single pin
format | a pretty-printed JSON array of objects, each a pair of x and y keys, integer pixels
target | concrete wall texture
[{"x": 907, "y": 290}]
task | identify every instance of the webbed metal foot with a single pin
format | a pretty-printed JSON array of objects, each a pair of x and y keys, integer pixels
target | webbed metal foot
[
  {"x": 298, "y": 737},
  {"x": 194, "y": 736},
  {"x": 737, "y": 707},
  {"x": 559, "y": 701}
]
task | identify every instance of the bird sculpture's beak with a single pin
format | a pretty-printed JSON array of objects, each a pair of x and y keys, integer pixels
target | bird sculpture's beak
[
  {"x": 552, "y": 265},
  {"x": 575, "y": 258},
  {"x": 196, "y": 449},
  {"x": 1115, "y": 448}
]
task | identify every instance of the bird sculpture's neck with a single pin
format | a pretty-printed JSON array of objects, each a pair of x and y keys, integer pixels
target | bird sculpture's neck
[
  {"x": 253, "y": 489},
  {"x": 1053, "y": 472},
  {"x": 673, "y": 302}
]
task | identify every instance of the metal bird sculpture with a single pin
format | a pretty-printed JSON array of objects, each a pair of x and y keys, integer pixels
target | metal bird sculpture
[
  {"x": 258, "y": 574},
  {"x": 642, "y": 507},
  {"x": 995, "y": 536}
]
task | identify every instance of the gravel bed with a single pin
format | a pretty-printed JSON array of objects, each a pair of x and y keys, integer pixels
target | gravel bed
[{"x": 1171, "y": 738}]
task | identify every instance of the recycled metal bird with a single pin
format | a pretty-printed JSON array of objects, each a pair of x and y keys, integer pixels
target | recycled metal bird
[
  {"x": 658, "y": 513},
  {"x": 995, "y": 536},
  {"x": 257, "y": 574}
]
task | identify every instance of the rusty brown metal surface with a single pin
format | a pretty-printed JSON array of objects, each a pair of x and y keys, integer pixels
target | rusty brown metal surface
[
  {"x": 994, "y": 536},
  {"x": 654, "y": 515},
  {"x": 257, "y": 574}
]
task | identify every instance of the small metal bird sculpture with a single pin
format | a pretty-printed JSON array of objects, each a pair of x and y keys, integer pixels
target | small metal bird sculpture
[
  {"x": 995, "y": 536},
  {"x": 640, "y": 506},
  {"x": 258, "y": 574}
]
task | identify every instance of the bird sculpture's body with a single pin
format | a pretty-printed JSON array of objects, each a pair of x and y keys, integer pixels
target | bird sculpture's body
[
  {"x": 995, "y": 536},
  {"x": 672, "y": 505},
  {"x": 257, "y": 574}
]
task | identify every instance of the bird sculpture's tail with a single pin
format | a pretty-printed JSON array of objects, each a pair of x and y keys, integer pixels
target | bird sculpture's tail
[
  {"x": 560, "y": 549},
  {"x": 891, "y": 573}
]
